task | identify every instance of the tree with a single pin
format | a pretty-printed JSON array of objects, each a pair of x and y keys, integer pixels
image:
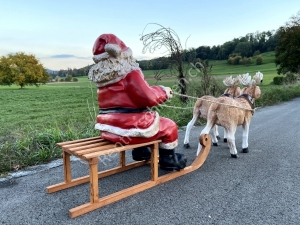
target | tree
[
  {"x": 243, "y": 48},
  {"x": 203, "y": 52},
  {"x": 169, "y": 39},
  {"x": 226, "y": 49},
  {"x": 257, "y": 52},
  {"x": 22, "y": 69},
  {"x": 287, "y": 51},
  {"x": 214, "y": 52}
]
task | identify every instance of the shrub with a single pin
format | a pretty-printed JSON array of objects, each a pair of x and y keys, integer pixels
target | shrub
[
  {"x": 273, "y": 95},
  {"x": 230, "y": 60},
  {"x": 75, "y": 79},
  {"x": 259, "y": 60},
  {"x": 62, "y": 80},
  {"x": 278, "y": 80},
  {"x": 290, "y": 78},
  {"x": 68, "y": 78},
  {"x": 237, "y": 60}
]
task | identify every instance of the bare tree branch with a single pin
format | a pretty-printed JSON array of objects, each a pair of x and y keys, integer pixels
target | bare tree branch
[{"x": 166, "y": 37}]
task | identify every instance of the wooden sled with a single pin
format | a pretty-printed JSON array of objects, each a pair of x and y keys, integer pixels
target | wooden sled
[{"x": 90, "y": 149}]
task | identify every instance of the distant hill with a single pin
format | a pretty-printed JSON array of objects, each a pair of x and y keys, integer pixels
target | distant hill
[{"x": 51, "y": 71}]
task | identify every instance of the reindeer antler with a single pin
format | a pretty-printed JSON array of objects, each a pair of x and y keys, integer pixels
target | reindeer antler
[
  {"x": 228, "y": 81},
  {"x": 245, "y": 80},
  {"x": 257, "y": 78},
  {"x": 236, "y": 81}
]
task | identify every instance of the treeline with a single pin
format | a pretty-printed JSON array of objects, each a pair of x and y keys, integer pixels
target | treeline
[
  {"x": 250, "y": 45},
  {"x": 70, "y": 72}
]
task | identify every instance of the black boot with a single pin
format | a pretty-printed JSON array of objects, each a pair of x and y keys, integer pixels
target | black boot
[
  {"x": 169, "y": 160},
  {"x": 141, "y": 153}
]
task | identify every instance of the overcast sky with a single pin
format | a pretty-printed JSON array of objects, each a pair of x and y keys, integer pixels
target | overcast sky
[{"x": 61, "y": 33}]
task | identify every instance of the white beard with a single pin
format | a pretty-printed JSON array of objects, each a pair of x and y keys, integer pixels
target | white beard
[{"x": 109, "y": 70}]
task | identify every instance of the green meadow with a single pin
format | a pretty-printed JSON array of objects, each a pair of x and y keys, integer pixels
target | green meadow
[
  {"x": 221, "y": 69},
  {"x": 46, "y": 106},
  {"x": 34, "y": 119}
]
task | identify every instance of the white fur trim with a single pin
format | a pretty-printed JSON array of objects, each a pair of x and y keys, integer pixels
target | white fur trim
[
  {"x": 167, "y": 90},
  {"x": 134, "y": 132},
  {"x": 113, "y": 50},
  {"x": 125, "y": 54},
  {"x": 170, "y": 145},
  {"x": 164, "y": 88}
]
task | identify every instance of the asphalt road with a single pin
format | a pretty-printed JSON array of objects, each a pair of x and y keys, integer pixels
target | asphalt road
[{"x": 259, "y": 187}]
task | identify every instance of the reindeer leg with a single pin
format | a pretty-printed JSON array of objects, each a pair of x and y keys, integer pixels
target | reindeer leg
[
  {"x": 246, "y": 126},
  {"x": 188, "y": 130},
  {"x": 207, "y": 130},
  {"x": 217, "y": 132},
  {"x": 225, "y": 136},
  {"x": 231, "y": 142},
  {"x": 214, "y": 135}
]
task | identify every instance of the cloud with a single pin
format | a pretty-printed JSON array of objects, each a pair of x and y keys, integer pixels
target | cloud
[
  {"x": 66, "y": 56},
  {"x": 63, "y": 56}
]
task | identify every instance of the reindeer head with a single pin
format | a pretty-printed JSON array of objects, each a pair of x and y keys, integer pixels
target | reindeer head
[
  {"x": 250, "y": 86},
  {"x": 233, "y": 86}
]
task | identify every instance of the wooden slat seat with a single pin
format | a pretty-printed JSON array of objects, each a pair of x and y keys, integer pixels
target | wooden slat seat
[{"x": 90, "y": 149}]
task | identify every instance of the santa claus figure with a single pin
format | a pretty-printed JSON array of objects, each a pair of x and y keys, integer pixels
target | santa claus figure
[{"x": 125, "y": 100}]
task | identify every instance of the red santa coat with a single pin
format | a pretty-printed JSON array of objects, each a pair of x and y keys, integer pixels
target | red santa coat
[{"x": 125, "y": 115}]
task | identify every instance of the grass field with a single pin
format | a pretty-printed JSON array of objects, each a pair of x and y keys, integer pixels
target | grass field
[
  {"x": 34, "y": 119},
  {"x": 46, "y": 106},
  {"x": 220, "y": 69}
]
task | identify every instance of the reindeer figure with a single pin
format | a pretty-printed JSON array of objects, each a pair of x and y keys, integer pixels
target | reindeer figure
[
  {"x": 230, "y": 113},
  {"x": 202, "y": 105}
]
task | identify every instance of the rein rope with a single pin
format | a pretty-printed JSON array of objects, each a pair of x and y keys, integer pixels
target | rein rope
[{"x": 175, "y": 107}]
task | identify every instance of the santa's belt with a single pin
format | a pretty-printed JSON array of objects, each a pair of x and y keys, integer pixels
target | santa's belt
[{"x": 123, "y": 110}]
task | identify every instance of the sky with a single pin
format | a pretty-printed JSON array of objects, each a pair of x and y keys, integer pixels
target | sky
[{"x": 61, "y": 33}]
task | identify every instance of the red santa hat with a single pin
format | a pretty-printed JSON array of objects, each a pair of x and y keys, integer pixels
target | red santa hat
[
  {"x": 110, "y": 44},
  {"x": 102, "y": 40}
]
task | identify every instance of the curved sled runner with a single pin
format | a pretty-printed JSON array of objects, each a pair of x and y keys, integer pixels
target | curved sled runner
[{"x": 90, "y": 149}]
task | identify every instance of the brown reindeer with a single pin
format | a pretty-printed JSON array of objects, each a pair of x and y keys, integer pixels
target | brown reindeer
[
  {"x": 202, "y": 105},
  {"x": 230, "y": 113}
]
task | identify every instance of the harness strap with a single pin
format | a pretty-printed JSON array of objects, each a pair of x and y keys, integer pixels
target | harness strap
[
  {"x": 227, "y": 95},
  {"x": 249, "y": 99}
]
